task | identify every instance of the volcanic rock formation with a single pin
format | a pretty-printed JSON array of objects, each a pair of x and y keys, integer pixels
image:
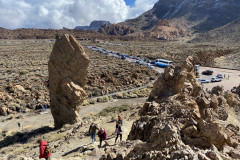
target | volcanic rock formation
[
  {"x": 116, "y": 29},
  {"x": 182, "y": 121},
  {"x": 164, "y": 30},
  {"x": 67, "y": 67},
  {"x": 236, "y": 90}
]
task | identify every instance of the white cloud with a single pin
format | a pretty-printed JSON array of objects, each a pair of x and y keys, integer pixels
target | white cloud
[
  {"x": 66, "y": 13},
  {"x": 141, "y": 6}
]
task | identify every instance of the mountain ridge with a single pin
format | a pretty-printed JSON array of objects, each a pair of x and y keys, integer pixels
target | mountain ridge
[
  {"x": 94, "y": 25},
  {"x": 200, "y": 15}
]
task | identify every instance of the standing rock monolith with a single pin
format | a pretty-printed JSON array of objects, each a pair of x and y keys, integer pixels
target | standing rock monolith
[{"x": 67, "y": 68}]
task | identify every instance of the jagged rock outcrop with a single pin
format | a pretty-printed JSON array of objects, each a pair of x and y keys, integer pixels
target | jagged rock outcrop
[
  {"x": 182, "y": 121},
  {"x": 67, "y": 67},
  {"x": 236, "y": 90},
  {"x": 94, "y": 26},
  {"x": 116, "y": 29},
  {"x": 164, "y": 30}
]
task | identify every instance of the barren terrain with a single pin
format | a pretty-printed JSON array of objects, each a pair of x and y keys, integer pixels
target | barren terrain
[{"x": 24, "y": 74}]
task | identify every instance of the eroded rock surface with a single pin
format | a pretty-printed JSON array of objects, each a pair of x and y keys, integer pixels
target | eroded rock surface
[
  {"x": 182, "y": 121},
  {"x": 164, "y": 30},
  {"x": 116, "y": 29},
  {"x": 236, "y": 90},
  {"x": 67, "y": 66}
]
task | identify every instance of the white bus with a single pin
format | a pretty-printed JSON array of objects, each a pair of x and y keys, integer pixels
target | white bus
[{"x": 162, "y": 62}]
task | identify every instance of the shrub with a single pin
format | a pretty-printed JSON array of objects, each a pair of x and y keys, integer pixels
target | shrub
[
  {"x": 24, "y": 72},
  {"x": 85, "y": 103},
  {"x": 197, "y": 74},
  {"x": 105, "y": 99},
  {"x": 93, "y": 101},
  {"x": 100, "y": 99},
  {"x": 116, "y": 109}
]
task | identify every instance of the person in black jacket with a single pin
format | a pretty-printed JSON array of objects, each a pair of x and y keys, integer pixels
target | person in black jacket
[{"x": 118, "y": 131}]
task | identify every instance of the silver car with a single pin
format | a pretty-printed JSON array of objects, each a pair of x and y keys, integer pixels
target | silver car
[{"x": 215, "y": 79}]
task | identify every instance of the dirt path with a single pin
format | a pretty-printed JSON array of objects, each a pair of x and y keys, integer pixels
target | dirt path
[{"x": 38, "y": 120}]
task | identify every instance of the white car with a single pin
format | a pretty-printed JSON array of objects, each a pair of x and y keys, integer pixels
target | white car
[
  {"x": 215, "y": 79},
  {"x": 203, "y": 80}
]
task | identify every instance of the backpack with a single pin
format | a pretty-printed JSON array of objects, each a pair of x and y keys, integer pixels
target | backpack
[{"x": 47, "y": 150}]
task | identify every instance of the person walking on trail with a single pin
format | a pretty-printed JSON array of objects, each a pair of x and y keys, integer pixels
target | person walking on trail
[
  {"x": 118, "y": 131},
  {"x": 120, "y": 119},
  {"x": 44, "y": 150},
  {"x": 102, "y": 136},
  {"x": 93, "y": 131}
]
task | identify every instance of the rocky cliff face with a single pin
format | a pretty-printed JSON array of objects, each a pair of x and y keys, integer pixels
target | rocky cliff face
[
  {"x": 182, "y": 121},
  {"x": 94, "y": 26},
  {"x": 67, "y": 67},
  {"x": 116, "y": 29},
  {"x": 164, "y": 30},
  {"x": 202, "y": 15}
]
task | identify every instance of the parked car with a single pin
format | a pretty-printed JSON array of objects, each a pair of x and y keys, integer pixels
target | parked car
[
  {"x": 150, "y": 66},
  {"x": 215, "y": 79},
  {"x": 220, "y": 76},
  {"x": 203, "y": 80},
  {"x": 148, "y": 61},
  {"x": 153, "y": 62},
  {"x": 207, "y": 72},
  {"x": 123, "y": 57}
]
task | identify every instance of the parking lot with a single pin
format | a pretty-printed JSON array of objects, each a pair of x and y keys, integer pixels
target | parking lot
[{"x": 232, "y": 78}]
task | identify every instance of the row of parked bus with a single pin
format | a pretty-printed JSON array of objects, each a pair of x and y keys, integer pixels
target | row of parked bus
[{"x": 158, "y": 62}]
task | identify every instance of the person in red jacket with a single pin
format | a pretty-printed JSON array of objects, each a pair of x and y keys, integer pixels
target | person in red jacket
[
  {"x": 102, "y": 136},
  {"x": 42, "y": 146}
]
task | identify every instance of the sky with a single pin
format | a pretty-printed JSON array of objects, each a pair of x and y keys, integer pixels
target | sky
[{"x": 57, "y": 14}]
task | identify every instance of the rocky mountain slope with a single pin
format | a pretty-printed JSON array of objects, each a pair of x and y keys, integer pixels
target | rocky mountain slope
[
  {"x": 116, "y": 29},
  {"x": 94, "y": 25},
  {"x": 229, "y": 33},
  {"x": 52, "y": 33},
  {"x": 199, "y": 15},
  {"x": 164, "y": 30}
]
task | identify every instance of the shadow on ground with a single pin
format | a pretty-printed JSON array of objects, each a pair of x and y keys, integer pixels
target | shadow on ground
[
  {"x": 24, "y": 137},
  {"x": 84, "y": 148},
  {"x": 79, "y": 149}
]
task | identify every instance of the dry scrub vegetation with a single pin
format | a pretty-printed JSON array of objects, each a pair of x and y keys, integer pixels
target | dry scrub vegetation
[{"x": 24, "y": 74}]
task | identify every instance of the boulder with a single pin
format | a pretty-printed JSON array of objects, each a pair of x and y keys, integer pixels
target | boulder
[
  {"x": 67, "y": 67},
  {"x": 236, "y": 90},
  {"x": 4, "y": 111}
]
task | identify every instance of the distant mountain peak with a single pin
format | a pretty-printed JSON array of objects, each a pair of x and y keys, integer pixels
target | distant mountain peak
[{"x": 94, "y": 25}]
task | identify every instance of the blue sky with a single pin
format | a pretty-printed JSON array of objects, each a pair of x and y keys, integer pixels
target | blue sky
[
  {"x": 129, "y": 2},
  {"x": 68, "y": 13}
]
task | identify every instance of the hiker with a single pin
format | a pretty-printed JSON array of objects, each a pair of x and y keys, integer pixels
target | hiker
[
  {"x": 120, "y": 119},
  {"x": 118, "y": 131},
  {"x": 43, "y": 107},
  {"x": 102, "y": 136},
  {"x": 44, "y": 149},
  {"x": 92, "y": 130}
]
